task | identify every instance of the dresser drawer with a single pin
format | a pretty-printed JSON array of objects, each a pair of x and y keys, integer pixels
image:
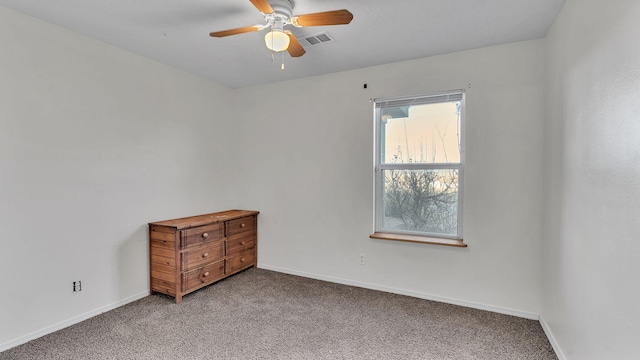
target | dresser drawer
[
  {"x": 240, "y": 243},
  {"x": 202, "y": 276},
  {"x": 241, "y": 261},
  {"x": 202, "y": 234},
  {"x": 201, "y": 255},
  {"x": 241, "y": 225}
]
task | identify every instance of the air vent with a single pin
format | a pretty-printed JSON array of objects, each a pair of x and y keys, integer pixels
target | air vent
[{"x": 316, "y": 39}]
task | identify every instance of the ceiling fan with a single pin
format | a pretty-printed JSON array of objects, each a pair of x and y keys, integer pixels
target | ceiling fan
[{"x": 278, "y": 14}]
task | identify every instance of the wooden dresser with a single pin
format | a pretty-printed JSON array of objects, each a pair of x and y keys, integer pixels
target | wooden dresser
[{"x": 193, "y": 252}]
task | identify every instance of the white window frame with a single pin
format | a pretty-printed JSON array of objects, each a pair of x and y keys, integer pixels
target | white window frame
[{"x": 430, "y": 98}]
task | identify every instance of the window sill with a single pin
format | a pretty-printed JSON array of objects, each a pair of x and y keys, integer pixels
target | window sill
[{"x": 419, "y": 239}]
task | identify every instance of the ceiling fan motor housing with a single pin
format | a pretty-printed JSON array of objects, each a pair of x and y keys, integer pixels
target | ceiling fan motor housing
[{"x": 282, "y": 10}]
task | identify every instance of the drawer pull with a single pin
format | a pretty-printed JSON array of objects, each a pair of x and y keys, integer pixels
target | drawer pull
[
  {"x": 243, "y": 225},
  {"x": 242, "y": 242},
  {"x": 205, "y": 255},
  {"x": 241, "y": 259},
  {"x": 205, "y": 274},
  {"x": 205, "y": 235}
]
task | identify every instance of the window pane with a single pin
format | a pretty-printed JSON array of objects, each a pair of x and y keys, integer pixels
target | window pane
[
  {"x": 420, "y": 200},
  {"x": 428, "y": 133}
]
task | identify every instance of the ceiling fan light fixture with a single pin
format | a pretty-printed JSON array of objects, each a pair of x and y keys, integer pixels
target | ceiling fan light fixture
[{"x": 276, "y": 40}]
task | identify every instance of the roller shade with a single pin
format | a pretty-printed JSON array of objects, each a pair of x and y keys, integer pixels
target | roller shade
[{"x": 454, "y": 95}]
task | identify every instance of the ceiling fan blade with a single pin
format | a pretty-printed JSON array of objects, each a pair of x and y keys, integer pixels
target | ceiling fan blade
[
  {"x": 241, "y": 30},
  {"x": 335, "y": 17},
  {"x": 294, "y": 49},
  {"x": 263, "y": 6}
]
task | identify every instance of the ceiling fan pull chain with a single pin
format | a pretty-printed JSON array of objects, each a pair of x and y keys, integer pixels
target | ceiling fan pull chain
[
  {"x": 282, "y": 68},
  {"x": 272, "y": 56}
]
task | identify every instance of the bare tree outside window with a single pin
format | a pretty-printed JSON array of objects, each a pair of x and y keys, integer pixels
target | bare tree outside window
[{"x": 421, "y": 200}]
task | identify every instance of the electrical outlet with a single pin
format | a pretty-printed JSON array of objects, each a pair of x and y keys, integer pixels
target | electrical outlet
[
  {"x": 362, "y": 259},
  {"x": 77, "y": 286}
]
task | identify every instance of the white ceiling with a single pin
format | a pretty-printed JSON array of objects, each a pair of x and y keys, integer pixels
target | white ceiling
[{"x": 176, "y": 32}]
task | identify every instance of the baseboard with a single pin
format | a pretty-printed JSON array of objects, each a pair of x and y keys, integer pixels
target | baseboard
[
  {"x": 469, "y": 304},
  {"x": 552, "y": 339},
  {"x": 66, "y": 323}
]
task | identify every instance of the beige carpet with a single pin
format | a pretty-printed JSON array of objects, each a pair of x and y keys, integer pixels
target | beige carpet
[{"x": 260, "y": 314}]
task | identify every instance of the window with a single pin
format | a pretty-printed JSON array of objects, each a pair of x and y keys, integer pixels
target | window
[{"x": 419, "y": 152}]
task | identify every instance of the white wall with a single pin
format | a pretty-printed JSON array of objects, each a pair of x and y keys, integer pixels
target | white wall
[
  {"x": 94, "y": 143},
  {"x": 591, "y": 252},
  {"x": 306, "y": 164}
]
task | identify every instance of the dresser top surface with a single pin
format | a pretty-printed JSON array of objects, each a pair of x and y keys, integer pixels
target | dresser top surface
[{"x": 204, "y": 219}]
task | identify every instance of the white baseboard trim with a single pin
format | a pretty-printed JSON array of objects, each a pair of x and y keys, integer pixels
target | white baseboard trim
[
  {"x": 74, "y": 320},
  {"x": 552, "y": 339},
  {"x": 469, "y": 304}
]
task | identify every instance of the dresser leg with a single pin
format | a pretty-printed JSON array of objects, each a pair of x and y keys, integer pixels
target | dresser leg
[{"x": 178, "y": 299}]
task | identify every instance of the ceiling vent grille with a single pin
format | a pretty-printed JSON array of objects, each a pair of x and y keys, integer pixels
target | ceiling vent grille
[{"x": 316, "y": 39}]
